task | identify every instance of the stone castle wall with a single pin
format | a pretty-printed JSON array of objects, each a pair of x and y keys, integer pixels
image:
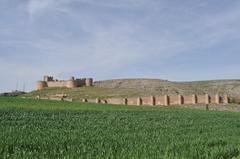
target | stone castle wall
[
  {"x": 49, "y": 82},
  {"x": 57, "y": 83},
  {"x": 168, "y": 100}
]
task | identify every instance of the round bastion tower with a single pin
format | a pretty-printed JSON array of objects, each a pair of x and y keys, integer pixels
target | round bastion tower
[
  {"x": 72, "y": 83},
  {"x": 40, "y": 85},
  {"x": 89, "y": 82}
]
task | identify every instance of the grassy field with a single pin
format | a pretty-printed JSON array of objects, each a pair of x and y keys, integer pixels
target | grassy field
[{"x": 49, "y": 129}]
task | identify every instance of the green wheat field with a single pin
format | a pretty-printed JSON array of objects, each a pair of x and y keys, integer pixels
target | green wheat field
[{"x": 49, "y": 129}]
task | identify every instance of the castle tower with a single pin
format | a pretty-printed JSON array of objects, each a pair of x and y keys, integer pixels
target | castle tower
[
  {"x": 72, "y": 78},
  {"x": 47, "y": 78},
  {"x": 40, "y": 85},
  {"x": 89, "y": 82},
  {"x": 71, "y": 83}
]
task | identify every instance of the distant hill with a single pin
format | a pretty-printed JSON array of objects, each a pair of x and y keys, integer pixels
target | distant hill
[
  {"x": 145, "y": 87},
  {"x": 12, "y": 94}
]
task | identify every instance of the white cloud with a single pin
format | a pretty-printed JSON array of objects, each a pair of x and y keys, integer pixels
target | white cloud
[
  {"x": 39, "y": 6},
  {"x": 121, "y": 39},
  {"x": 36, "y": 7}
]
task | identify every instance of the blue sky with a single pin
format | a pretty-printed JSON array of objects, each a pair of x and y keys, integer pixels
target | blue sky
[{"x": 167, "y": 39}]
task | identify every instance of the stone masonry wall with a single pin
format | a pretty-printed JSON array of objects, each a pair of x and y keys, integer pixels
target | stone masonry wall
[
  {"x": 160, "y": 100},
  {"x": 168, "y": 100},
  {"x": 201, "y": 99},
  {"x": 188, "y": 99},
  {"x": 57, "y": 84},
  {"x": 131, "y": 101}
]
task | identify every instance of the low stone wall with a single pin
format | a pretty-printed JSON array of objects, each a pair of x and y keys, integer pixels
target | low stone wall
[
  {"x": 131, "y": 101},
  {"x": 190, "y": 99},
  {"x": 160, "y": 100},
  {"x": 201, "y": 99},
  {"x": 55, "y": 98},
  {"x": 167, "y": 100}
]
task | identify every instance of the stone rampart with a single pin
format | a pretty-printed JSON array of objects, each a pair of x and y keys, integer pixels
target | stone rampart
[
  {"x": 132, "y": 101},
  {"x": 168, "y": 100},
  {"x": 57, "y": 83},
  {"x": 190, "y": 99}
]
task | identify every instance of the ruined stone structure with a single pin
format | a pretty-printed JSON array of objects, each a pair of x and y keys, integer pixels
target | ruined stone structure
[
  {"x": 56, "y": 97},
  {"x": 49, "y": 81},
  {"x": 168, "y": 100}
]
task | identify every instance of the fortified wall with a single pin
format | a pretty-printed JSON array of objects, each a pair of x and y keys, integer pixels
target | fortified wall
[
  {"x": 49, "y": 81},
  {"x": 167, "y": 100}
]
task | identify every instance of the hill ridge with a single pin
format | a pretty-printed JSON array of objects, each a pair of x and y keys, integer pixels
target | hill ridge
[{"x": 132, "y": 87}]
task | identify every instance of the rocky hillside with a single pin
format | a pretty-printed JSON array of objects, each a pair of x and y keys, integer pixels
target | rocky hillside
[{"x": 156, "y": 86}]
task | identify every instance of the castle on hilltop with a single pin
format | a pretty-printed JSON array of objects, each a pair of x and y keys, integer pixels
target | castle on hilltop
[{"x": 48, "y": 81}]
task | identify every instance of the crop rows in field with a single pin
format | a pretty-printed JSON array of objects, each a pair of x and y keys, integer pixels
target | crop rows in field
[{"x": 103, "y": 131}]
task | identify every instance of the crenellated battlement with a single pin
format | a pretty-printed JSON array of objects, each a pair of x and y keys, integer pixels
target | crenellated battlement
[
  {"x": 48, "y": 78},
  {"x": 50, "y": 82}
]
